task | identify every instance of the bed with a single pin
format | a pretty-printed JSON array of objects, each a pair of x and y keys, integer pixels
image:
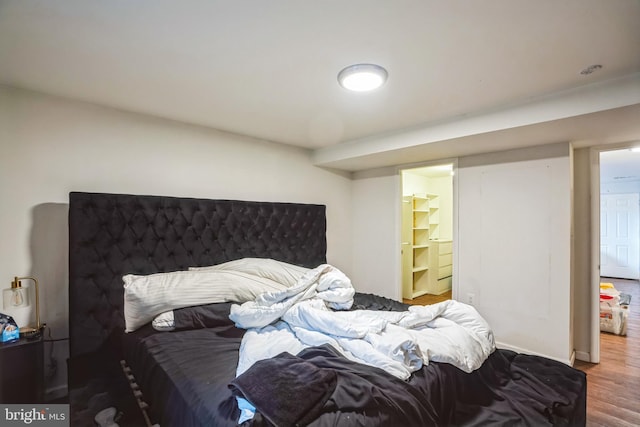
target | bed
[{"x": 187, "y": 376}]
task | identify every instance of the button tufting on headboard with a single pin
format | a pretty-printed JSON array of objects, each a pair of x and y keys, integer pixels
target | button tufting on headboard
[{"x": 114, "y": 234}]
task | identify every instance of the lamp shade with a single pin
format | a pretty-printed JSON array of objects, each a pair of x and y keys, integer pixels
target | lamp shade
[
  {"x": 15, "y": 298},
  {"x": 16, "y": 303}
]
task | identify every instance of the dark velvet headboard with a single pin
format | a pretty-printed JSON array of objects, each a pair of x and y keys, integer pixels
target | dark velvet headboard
[{"x": 114, "y": 234}]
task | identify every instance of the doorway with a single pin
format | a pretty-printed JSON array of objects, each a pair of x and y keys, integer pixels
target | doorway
[
  {"x": 618, "y": 263},
  {"x": 427, "y": 233}
]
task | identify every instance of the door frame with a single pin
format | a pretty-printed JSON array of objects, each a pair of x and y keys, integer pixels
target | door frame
[
  {"x": 454, "y": 237},
  {"x": 594, "y": 160}
]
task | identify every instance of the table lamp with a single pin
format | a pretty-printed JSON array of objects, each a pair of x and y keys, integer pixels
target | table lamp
[{"x": 17, "y": 297}]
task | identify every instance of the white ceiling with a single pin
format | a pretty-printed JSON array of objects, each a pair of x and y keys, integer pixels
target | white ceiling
[{"x": 267, "y": 69}]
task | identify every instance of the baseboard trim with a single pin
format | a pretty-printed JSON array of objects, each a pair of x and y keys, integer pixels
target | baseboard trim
[
  {"x": 584, "y": 356},
  {"x": 569, "y": 361}
]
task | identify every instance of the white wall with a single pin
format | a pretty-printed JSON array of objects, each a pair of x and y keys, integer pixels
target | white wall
[
  {"x": 514, "y": 229},
  {"x": 50, "y": 146},
  {"x": 375, "y": 212},
  {"x": 413, "y": 183}
]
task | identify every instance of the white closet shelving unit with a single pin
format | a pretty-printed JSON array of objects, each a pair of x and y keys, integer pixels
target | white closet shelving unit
[
  {"x": 427, "y": 260},
  {"x": 420, "y": 229}
]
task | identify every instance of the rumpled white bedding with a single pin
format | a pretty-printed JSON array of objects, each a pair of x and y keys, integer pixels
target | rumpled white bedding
[
  {"x": 324, "y": 283},
  {"x": 398, "y": 342},
  {"x": 304, "y": 307}
]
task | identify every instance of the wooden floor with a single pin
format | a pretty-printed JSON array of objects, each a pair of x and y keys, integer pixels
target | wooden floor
[
  {"x": 613, "y": 385},
  {"x": 428, "y": 299}
]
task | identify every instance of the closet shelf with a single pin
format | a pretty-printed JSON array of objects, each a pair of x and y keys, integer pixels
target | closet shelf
[{"x": 421, "y": 215}]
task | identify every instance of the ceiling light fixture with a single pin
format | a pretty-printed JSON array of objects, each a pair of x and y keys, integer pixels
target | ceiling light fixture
[{"x": 362, "y": 77}]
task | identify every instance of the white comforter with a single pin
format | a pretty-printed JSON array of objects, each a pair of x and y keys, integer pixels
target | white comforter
[{"x": 399, "y": 342}]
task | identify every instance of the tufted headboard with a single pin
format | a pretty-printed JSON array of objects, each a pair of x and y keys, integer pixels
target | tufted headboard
[{"x": 114, "y": 234}]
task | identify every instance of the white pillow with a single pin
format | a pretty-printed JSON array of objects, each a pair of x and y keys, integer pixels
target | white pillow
[
  {"x": 164, "y": 322},
  {"x": 278, "y": 271},
  {"x": 147, "y": 296}
]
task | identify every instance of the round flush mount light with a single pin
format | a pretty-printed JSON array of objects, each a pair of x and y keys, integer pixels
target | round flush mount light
[{"x": 362, "y": 77}]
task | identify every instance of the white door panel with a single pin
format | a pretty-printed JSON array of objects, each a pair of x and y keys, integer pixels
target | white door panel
[{"x": 620, "y": 235}]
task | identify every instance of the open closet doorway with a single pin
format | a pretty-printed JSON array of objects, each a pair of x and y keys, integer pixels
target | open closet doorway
[
  {"x": 427, "y": 233},
  {"x": 619, "y": 261}
]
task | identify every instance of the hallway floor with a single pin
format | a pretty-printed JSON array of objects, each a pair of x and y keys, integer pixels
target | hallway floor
[{"x": 613, "y": 384}]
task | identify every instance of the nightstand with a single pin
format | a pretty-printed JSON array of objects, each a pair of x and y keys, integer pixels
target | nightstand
[{"x": 22, "y": 371}]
